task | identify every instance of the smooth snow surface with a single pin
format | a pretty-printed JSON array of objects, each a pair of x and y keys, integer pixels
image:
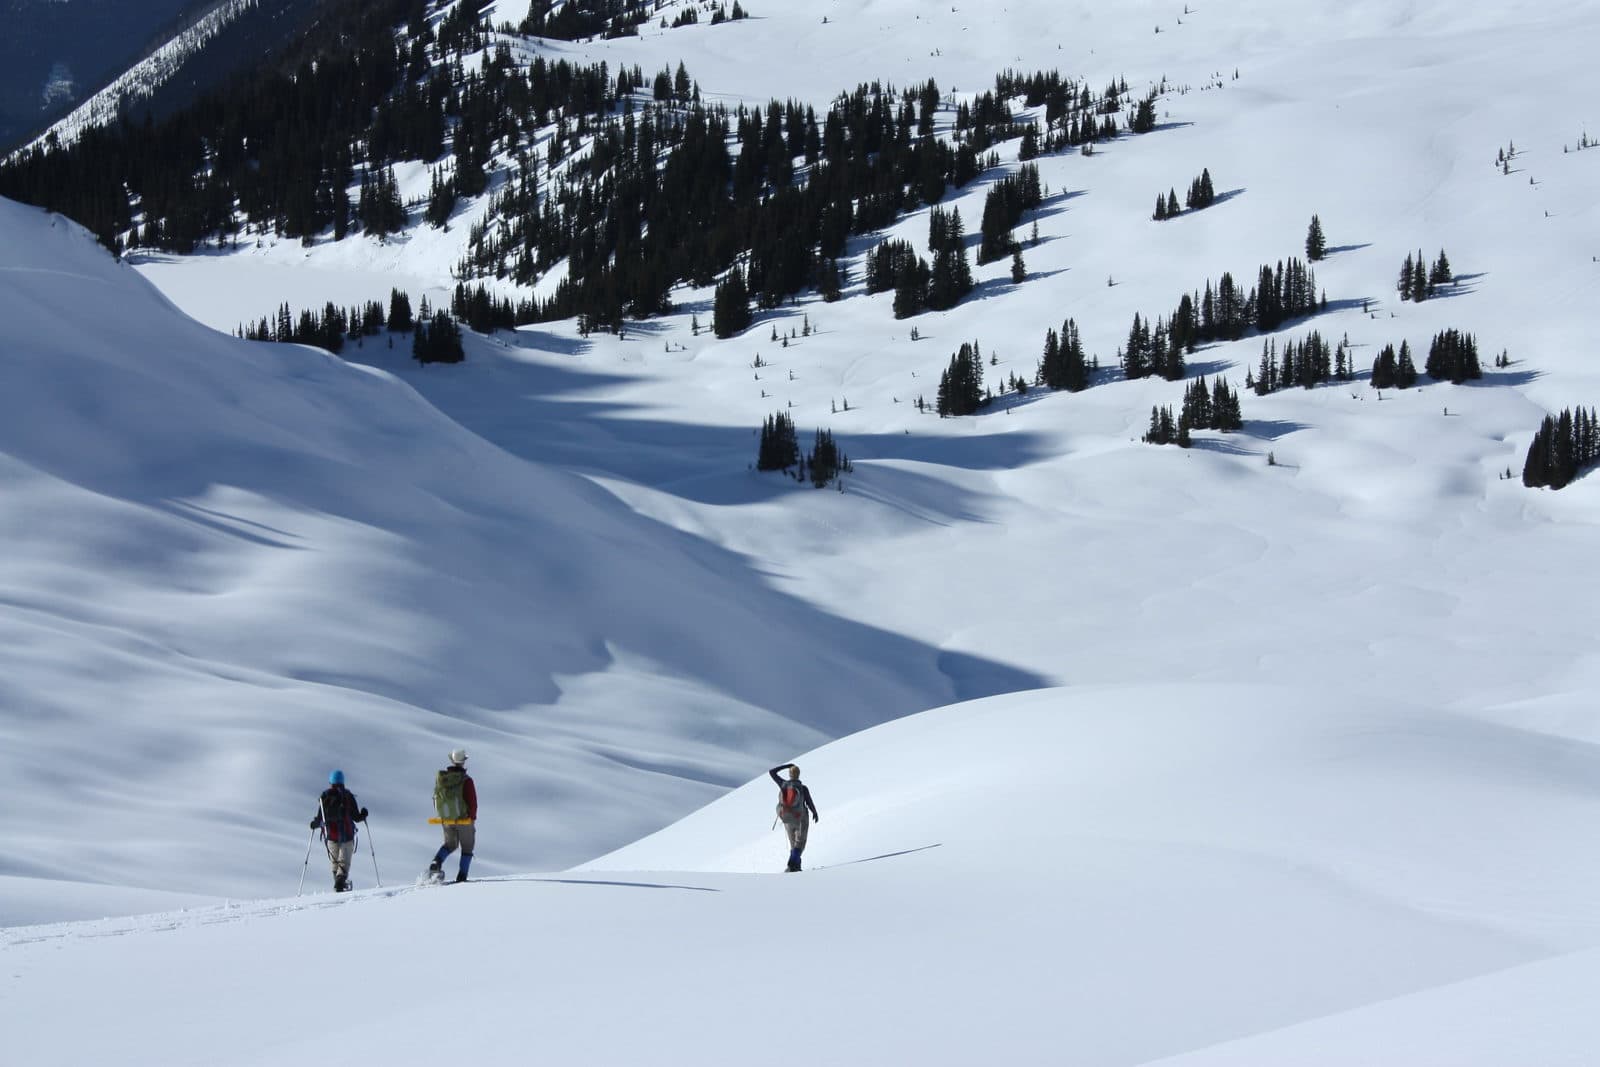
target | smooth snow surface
[
  {"x": 1318, "y": 784},
  {"x": 1101, "y": 875}
]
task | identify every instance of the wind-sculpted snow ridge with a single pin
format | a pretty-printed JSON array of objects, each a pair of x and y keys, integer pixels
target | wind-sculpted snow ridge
[
  {"x": 231, "y": 567},
  {"x": 1113, "y": 875}
]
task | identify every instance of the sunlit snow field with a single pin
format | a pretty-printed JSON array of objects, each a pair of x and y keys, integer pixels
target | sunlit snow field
[{"x": 1299, "y": 761}]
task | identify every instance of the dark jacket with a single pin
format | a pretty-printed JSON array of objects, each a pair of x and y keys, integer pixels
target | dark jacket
[
  {"x": 337, "y": 814},
  {"x": 784, "y": 782}
]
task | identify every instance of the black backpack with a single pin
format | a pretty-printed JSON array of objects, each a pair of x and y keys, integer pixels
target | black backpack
[{"x": 339, "y": 814}]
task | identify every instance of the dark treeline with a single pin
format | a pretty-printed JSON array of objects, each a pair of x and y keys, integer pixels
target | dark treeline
[
  {"x": 1213, "y": 407},
  {"x": 572, "y": 20},
  {"x": 1418, "y": 280},
  {"x": 662, "y": 198},
  {"x": 277, "y": 150},
  {"x": 1307, "y": 363},
  {"x": 632, "y": 183},
  {"x": 484, "y": 312},
  {"x": 1007, "y": 199},
  {"x": 1224, "y": 312},
  {"x": 779, "y": 449},
  {"x": 1165, "y": 430},
  {"x": 917, "y": 285},
  {"x": 435, "y": 336},
  {"x": 1563, "y": 446},
  {"x": 1452, "y": 357},
  {"x": 1394, "y": 370},
  {"x": 1063, "y": 366},
  {"x": 961, "y": 389},
  {"x": 1201, "y": 195}
]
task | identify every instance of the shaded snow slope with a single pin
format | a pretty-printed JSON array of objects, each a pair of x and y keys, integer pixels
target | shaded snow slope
[
  {"x": 230, "y": 567},
  {"x": 1106, "y": 876}
]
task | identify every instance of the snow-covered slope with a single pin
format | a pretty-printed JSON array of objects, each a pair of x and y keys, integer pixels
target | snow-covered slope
[
  {"x": 1383, "y": 549},
  {"x": 230, "y": 567},
  {"x": 1108, "y": 875}
]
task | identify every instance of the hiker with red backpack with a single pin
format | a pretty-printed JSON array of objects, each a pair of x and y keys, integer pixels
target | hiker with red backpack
[
  {"x": 794, "y": 800},
  {"x": 337, "y": 815},
  {"x": 455, "y": 799}
]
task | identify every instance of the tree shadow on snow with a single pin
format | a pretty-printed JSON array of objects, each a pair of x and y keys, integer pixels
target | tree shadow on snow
[
  {"x": 1272, "y": 429},
  {"x": 1226, "y": 446}
]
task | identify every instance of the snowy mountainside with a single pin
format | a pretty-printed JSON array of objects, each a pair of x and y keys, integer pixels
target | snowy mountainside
[
  {"x": 1381, "y": 552},
  {"x": 1384, "y": 544},
  {"x": 231, "y": 567},
  {"x": 1110, "y": 875},
  {"x": 146, "y": 77}
]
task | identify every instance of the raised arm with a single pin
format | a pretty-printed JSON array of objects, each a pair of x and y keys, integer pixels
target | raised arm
[{"x": 774, "y": 773}]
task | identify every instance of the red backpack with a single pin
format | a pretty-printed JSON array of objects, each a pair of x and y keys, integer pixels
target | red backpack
[{"x": 791, "y": 798}]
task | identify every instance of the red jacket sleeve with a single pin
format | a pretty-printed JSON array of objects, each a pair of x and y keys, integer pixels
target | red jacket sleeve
[{"x": 470, "y": 792}]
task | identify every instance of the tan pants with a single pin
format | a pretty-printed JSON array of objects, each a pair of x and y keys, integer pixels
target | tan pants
[
  {"x": 339, "y": 854},
  {"x": 463, "y": 836},
  {"x": 797, "y": 830}
]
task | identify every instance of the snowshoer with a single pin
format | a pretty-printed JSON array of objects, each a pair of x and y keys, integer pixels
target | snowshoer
[
  {"x": 455, "y": 799},
  {"x": 794, "y": 799},
  {"x": 337, "y": 815}
]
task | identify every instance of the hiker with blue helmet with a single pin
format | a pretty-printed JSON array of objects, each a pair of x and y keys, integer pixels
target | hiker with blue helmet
[
  {"x": 794, "y": 800},
  {"x": 337, "y": 815}
]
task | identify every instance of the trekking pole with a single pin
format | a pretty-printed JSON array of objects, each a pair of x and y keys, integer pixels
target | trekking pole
[
  {"x": 372, "y": 850},
  {"x": 309, "y": 841}
]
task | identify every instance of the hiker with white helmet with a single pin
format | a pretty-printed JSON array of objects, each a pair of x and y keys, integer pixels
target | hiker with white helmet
[
  {"x": 793, "y": 801},
  {"x": 455, "y": 799},
  {"x": 337, "y": 815}
]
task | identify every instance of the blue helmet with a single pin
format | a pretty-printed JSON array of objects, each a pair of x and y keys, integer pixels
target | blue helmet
[{"x": 336, "y": 778}]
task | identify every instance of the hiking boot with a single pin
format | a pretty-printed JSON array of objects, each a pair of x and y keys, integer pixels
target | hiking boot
[
  {"x": 340, "y": 885},
  {"x": 435, "y": 867},
  {"x": 461, "y": 876}
]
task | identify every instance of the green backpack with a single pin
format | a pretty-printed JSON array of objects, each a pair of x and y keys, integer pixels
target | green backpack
[{"x": 449, "y": 794}]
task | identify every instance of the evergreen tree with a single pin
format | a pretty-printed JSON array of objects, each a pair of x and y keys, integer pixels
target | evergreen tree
[
  {"x": 1405, "y": 371},
  {"x": 1562, "y": 448},
  {"x": 437, "y": 340},
  {"x": 399, "y": 319},
  {"x": 1420, "y": 289},
  {"x": 961, "y": 384},
  {"x": 826, "y": 461},
  {"x": 1440, "y": 274},
  {"x": 1316, "y": 244},
  {"x": 779, "y": 448},
  {"x": 1453, "y": 356},
  {"x": 730, "y": 306}
]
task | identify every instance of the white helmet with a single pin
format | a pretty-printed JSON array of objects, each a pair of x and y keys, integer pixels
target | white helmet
[{"x": 458, "y": 756}]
